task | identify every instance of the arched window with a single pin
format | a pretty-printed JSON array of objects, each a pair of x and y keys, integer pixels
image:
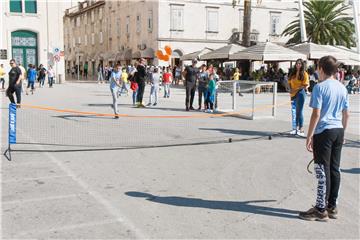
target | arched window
[{"x": 24, "y": 47}]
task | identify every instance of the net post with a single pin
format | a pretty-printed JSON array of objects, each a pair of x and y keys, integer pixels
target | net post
[
  {"x": 11, "y": 130},
  {"x": 253, "y": 103},
  {"x": 274, "y": 108},
  {"x": 233, "y": 96}
]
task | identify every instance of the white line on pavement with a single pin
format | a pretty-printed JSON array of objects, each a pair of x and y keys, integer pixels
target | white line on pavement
[
  {"x": 42, "y": 199},
  {"x": 34, "y": 179}
]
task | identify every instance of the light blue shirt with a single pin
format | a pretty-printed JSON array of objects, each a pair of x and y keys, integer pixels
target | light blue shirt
[
  {"x": 114, "y": 77},
  {"x": 331, "y": 97}
]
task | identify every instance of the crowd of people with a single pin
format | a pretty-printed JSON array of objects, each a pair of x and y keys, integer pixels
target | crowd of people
[{"x": 23, "y": 81}]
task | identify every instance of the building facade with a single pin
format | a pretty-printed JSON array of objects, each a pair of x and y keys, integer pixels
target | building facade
[
  {"x": 137, "y": 28},
  {"x": 32, "y": 32}
]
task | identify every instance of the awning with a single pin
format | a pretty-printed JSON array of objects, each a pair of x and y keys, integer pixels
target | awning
[
  {"x": 268, "y": 52},
  {"x": 223, "y": 52},
  {"x": 350, "y": 57},
  {"x": 99, "y": 56},
  {"x": 315, "y": 51},
  {"x": 128, "y": 54},
  {"x": 195, "y": 55},
  {"x": 147, "y": 53},
  {"x": 119, "y": 56}
]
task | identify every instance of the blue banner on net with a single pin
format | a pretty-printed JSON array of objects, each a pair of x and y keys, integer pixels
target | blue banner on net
[{"x": 12, "y": 123}]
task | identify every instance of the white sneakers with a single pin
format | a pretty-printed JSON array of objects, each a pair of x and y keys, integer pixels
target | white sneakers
[
  {"x": 293, "y": 132},
  {"x": 297, "y": 132}
]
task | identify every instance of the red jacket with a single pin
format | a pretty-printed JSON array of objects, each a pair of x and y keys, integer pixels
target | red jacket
[{"x": 167, "y": 77}]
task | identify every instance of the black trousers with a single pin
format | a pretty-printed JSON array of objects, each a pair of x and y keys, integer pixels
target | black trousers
[
  {"x": 327, "y": 152},
  {"x": 140, "y": 93},
  {"x": 190, "y": 94},
  {"x": 2, "y": 80},
  {"x": 201, "y": 93},
  {"x": 10, "y": 91}
]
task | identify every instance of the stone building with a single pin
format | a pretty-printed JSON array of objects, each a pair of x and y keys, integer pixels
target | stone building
[{"x": 32, "y": 32}]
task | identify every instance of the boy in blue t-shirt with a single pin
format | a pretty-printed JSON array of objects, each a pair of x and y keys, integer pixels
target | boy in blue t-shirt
[
  {"x": 325, "y": 138},
  {"x": 31, "y": 77}
]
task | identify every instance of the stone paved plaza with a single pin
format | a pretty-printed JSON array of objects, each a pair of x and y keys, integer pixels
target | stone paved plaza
[{"x": 148, "y": 186}]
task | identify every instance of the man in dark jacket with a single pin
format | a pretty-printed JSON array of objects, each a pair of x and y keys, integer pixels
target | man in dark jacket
[
  {"x": 14, "y": 83},
  {"x": 140, "y": 79},
  {"x": 191, "y": 75}
]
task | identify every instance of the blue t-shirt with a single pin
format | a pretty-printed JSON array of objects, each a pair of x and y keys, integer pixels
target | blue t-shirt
[
  {"x": 114, "y": 77},
  {"x": 331, "y": 97},
  {"x": 31, "y": 75}
]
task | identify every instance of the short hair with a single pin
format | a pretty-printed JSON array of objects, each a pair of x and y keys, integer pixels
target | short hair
[
  {"x": 329, "y": 65},
  {"x": 13, "y": 60}
]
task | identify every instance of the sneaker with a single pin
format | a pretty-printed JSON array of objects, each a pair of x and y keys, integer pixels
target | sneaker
[
  {"x": 187, "y": 109},
  {"x": 301, "y": 133},
  {"x": 116, "y": 116},
  {"x": 154, "y": 104},
  {"x": 332, "y": 212},
  {"x": 191, "y": 108},
  {"x": 313, "y": 214},
  {"x": 208, "y": 111},
  {"x": 293, "y": 132},
  {"x": 149, "y": 104}
]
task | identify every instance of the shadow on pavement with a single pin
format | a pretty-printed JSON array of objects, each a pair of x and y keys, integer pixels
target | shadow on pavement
[
  {"x": 351, "y": 170},
  {"x": 245, "y": 206}
]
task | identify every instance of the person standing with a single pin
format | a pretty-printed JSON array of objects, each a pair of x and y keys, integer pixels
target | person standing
[
  {"x": 210, "y": 94},
  {"x": 2, "y": 76},
  {"x": 86, "y": 68},
  {"x": 124, "y": 80},
  {"x": 41, "y": 75},
  {"x": 140, "y": 79},
  {"x": 236, "y": 76},
  {"x": 191, "y": 74},
  {"x": 155, "y": 81},
  {"x": 115, "y": 85},
  {"x": 31, "y": 76},
  {"x": 14, "y": 83},
  {"x": 100, "y": 72},
  {"x": 202, "y": 86},
  {"x": 51, "y": 74},
  {"x": 299, "y": 82},
  {"x": 329, "y": 119},
  {"x": 167, "y": 79}
]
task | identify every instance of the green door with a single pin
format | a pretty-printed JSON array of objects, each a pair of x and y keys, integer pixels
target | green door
[{"x": 24, "y": 47}]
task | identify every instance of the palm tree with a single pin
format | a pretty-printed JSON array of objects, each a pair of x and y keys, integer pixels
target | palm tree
[
  {"x": 326, "y": 23},
  {"x": 247, "y": 21}
]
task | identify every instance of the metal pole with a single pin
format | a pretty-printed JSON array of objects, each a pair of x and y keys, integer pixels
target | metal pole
[
  {"x": 253, "y": 103},
  {"x": 47, "y": 33},
  {"x": 233, "y": 97},
  {"x": 274, "y": 99},
  {"x": 302, "y": 22},
  {"x": 355, "y": 5},
  {"x": 78, "y": 67}
]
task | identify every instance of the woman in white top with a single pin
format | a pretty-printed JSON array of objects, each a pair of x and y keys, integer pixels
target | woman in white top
[
  {"x": 155, "y": 81},
  {"x": 51, "y": 75}
]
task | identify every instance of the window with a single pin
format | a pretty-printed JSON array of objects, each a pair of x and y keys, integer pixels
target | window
[
  {"x": 93, "y": 38},
  {"x": 138, "y": 24},
  {"x": 212, "y": 16},
  {"x": 274, "y": 23},
  {"x": 85, "y": 40},
  {"x": 150, "y": 21},
  {"x": 100, "y": 13},
  {"x": 92, "y": 16},
  {"x": 128, "y": 24},
  {"x": 78, "y": 20},
  {"x": 16, "y": 6},
  {"x": 176, "y": 18},
  {"x": 30, "y": 6},
  {"x": 101, "y": 37},
  {"x": 118, "y": 26},
  {"x": 79, "y": 40},
  {"x": 74, "y": 42}
]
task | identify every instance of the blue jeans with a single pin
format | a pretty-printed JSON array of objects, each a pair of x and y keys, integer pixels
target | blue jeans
[
  {"x": 300, "y": 100},
  {"x": 134, "y": 95}
]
